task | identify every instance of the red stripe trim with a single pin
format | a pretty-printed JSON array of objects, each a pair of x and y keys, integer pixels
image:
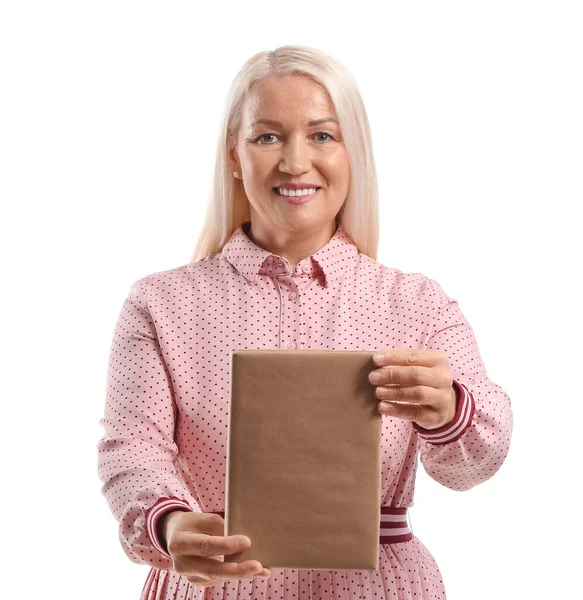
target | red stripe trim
[
  {"x": 158, "y": 510},
  {"x": 452, "y": 431},
  {"x": 394, "y": 526}
]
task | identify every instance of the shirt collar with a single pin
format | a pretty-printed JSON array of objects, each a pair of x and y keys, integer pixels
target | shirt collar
[{"x": 337, "y": 256}]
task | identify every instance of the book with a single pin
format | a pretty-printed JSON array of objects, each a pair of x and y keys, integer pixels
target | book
[{"x": 303, "y": 478}]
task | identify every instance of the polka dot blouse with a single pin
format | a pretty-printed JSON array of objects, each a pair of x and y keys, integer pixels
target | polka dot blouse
[{"x": 167, "y": 403}]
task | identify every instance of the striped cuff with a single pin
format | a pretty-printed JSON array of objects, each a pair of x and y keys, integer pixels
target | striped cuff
[
  {"x": 161, "y": 507},
  {"x": 452, "y": 431}
]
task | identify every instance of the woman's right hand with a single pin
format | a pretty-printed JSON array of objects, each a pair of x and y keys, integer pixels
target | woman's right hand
[{"x": 196, "y": 544}]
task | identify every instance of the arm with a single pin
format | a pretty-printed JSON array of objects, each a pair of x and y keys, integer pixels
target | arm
[
  {"x": 471, "y": 448},
  {"x": 137, "y": 450}
]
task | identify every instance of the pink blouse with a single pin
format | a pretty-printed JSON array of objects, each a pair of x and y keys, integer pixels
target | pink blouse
[{"x": 166, "y": 411}]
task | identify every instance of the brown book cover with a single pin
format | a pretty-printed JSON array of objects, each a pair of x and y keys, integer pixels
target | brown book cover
[{"x": 303, "y": 477}]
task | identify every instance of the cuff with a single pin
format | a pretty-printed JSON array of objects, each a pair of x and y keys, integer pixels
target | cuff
[
  {"x": 452, "y": 431},
  {"x": 161, "y": 507}
]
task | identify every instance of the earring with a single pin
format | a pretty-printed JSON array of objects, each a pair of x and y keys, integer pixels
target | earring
[{"x": 236, "y": 174}]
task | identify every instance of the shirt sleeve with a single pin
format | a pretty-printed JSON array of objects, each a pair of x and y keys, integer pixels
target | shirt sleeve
[
  {"x": 137, "y": 450},
  {"x": 472, "y": 447}
]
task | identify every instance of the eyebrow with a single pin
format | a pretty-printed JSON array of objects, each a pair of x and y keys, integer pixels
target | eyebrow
[{"x": 315, "y": 122}]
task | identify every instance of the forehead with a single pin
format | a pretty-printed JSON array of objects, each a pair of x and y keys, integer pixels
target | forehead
[{"x": 287, "y": 99}]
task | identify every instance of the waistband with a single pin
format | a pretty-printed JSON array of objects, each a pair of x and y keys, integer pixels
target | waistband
[{"x": 394, "y": 526}]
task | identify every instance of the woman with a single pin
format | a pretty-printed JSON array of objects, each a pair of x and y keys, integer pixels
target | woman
[{"x": 284, "y": 270}]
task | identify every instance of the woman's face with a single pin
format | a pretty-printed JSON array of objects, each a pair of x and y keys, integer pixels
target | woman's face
[{"x": 292, "y": 151}]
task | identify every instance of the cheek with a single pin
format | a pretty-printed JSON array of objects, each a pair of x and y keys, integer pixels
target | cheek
[
  {"x": 255, "y": 160},
  {"x": 338, "y": 165},
  {"x": 261, "y": 175}
]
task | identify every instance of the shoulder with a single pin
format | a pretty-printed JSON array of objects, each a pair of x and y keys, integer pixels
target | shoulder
[
  {"x": 409, "y": 286},
  {"x": 175, "y": 280}
]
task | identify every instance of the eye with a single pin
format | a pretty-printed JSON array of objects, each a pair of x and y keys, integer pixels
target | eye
[
  {"x": 258, "y": 139},
  {"x": 325, "y": 133},
  {"x": 263, "y": 135}
]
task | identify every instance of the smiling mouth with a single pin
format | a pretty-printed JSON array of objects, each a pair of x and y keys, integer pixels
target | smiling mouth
[
  {"x": 276, "y": 190},
  {"x": 297, "y": 200}
]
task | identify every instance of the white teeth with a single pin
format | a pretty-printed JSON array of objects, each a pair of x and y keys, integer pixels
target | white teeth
[{"x": 296, "y": 192}]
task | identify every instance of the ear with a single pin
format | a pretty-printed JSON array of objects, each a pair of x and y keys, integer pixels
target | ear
[{"x": 233, "y": 159}]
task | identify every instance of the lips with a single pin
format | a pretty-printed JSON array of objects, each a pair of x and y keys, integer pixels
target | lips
[{"x": 297, "y": 200}]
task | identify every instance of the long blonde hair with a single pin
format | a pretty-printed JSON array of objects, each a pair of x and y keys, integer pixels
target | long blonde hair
[{"x": 228, "y": 206}]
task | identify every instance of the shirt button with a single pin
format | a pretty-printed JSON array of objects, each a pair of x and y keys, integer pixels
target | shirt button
[
  {"x": 292, "y": 295},
  {"x": 306, "y": 269},
  {"x": 291, "y": 345}
]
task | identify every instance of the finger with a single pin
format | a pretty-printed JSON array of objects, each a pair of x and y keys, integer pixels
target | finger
[
  {"x": 216, "y": 570},
  {"x": 212, "y": 523},
  {"x": 411, "y": 356},
  {"x": 215, "y": 525},
  {"x": 405, "y": 410},
  {"x": 418, "y": 394},
  {"x": 407, "y": 376},
  {"x": 201, "y": 544}
]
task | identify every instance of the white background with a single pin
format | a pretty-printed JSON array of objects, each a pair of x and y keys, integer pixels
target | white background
[{"x": 109, "y": 117}]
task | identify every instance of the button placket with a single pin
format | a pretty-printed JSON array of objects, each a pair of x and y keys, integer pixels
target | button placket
[{"x": 290, "y": 326}]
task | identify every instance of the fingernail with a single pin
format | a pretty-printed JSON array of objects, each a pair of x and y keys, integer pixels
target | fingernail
[{"x": 374, "y": 377}]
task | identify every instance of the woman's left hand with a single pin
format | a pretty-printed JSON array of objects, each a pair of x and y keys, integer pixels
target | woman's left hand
[{"x": 420, "y": 378}]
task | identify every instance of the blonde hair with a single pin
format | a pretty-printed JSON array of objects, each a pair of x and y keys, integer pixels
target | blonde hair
[{"x": 228, "y": 206}]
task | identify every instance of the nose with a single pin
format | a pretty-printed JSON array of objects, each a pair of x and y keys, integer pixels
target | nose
[{"x": 296, "y": 156}]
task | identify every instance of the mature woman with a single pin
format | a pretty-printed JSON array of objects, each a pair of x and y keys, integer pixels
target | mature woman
[{"x": 287, "y": 260}]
